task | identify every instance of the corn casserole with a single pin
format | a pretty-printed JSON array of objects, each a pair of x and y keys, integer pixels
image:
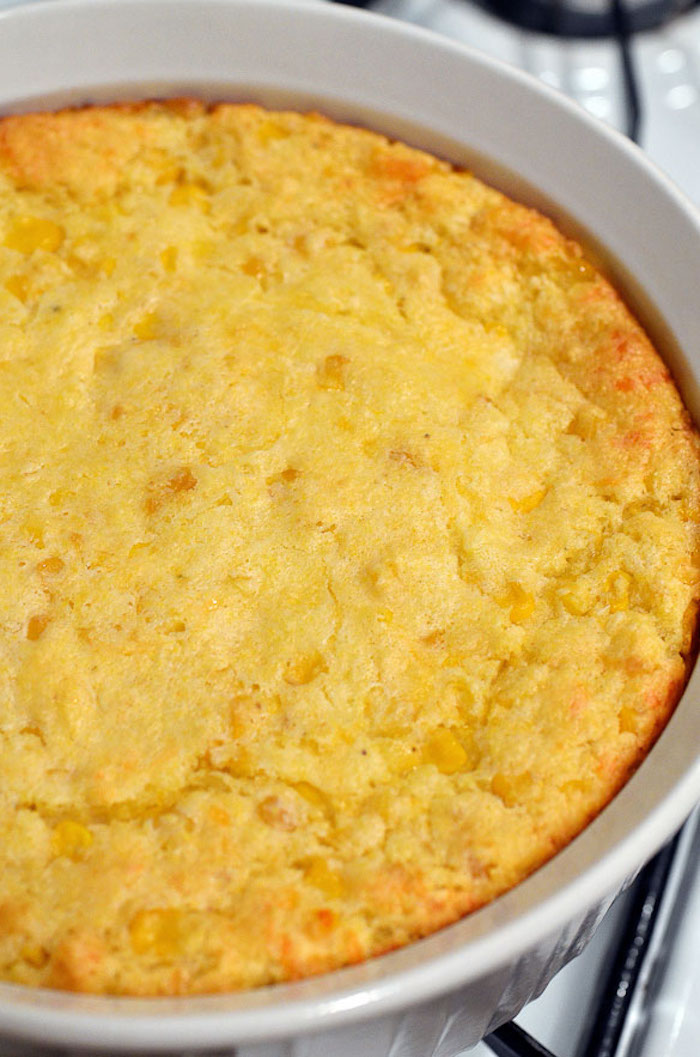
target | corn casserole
[{"x": 349, "y": 554}]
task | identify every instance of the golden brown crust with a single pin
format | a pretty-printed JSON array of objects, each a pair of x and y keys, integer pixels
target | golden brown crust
[{"x": 350, "y": 546}]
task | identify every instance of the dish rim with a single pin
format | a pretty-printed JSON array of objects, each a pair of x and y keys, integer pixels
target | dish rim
[{"x": 450, "y": 958}]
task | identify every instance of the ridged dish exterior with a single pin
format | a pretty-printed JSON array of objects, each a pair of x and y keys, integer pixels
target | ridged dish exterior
[{"x": 444, "y": 1027}]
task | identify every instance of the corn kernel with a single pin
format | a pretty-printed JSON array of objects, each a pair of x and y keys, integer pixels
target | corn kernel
[
  {"x": 138, "y": 548},
  {"x": 277, "y": 484},
  {"x": 188, "y": 194},
  {"x": 575, "y": 603},
  {"x": 444, "y": 751},
  {"x": 147, "y": 328},
  {"x": 70, "y": 838},
  {"x": 60, "y": 496},
  {"x": 168, "y": 258},
  {"x": 270, "y": 130},
  {"x": 218, "y": 815},
  {"x": 577, "y": 787},
  {"x": 36, "y": 626},
  {"x": 27, "y": 234},
  {"x": 35, "y": 955},
  {"x": 158, "y": 492},
  {"x": 277, "y": 814},
  {"x": 163, "y": 933},
  {"x": 628, "y": 720},
  {"x": 617, "y": 591},
  {"x": 52, "y": 565},
  {"x": 330, "y": 374},
  {"x": 319, "y": 874},
  {"x": 168, "y": 174},
  {"x": 528, "y": 503},
  {"x": 403, "y": 458},
  {"x": 241, "y": 765},
  {"x": 313, "y": 795},
  {"x": 35, "y": 531},
  {"x": 500, "y": 785},
  {"x": 323, "y": 922},
  {"x": 585, "y": 423},
  {"x": 462, "y": 696},
  {"x": 254, "y": 267},
  {"x": 520, "y": 603},
  {"x": 18, "y": 286},
  {"x": 106, "y": 360},
  {"x": 304, "y": 669},
  {"x": 182, "y": 481},
  {"x": 510, "y": 788}
]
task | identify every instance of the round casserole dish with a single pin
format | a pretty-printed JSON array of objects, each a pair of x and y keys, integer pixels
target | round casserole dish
[{"x": 544, "y": 151}]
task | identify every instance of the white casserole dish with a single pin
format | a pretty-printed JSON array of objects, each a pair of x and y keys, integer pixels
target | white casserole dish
[{"x": 538, "y": 147}]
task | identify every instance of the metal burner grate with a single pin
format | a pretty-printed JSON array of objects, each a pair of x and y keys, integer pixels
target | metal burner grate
[{"x": 586, "y": 18}]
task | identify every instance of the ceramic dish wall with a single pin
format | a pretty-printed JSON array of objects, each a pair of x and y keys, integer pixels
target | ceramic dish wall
[{"x": 536, "y": 146}]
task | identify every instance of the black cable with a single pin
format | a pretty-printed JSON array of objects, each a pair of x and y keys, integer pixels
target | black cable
[
  {"x": 511, "y": 1041},
  {"x": 623, "y": 35}
]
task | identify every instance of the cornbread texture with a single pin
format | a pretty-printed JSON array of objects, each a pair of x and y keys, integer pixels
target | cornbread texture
[{"x": 349, "y": 553}]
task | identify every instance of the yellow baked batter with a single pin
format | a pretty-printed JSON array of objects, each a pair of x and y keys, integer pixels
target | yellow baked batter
[{"x": 348, "y": 553}]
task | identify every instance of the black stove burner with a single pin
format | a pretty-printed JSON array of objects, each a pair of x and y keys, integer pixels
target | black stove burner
[
  {"x": 586, "y": 18},
  {"x": 578, "y": 18}
]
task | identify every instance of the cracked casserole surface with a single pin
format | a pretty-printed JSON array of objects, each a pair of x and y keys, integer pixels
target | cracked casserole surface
[{"x": 349, "y": 546}]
